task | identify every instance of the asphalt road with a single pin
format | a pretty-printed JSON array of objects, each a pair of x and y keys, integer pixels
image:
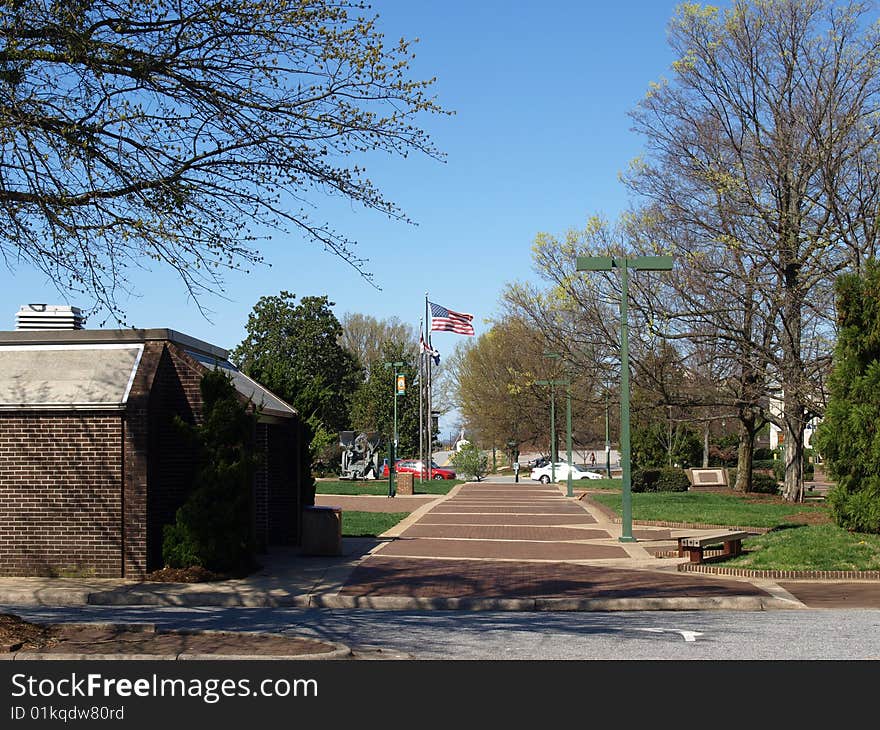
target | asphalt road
[{"x": 709, "y": 635}]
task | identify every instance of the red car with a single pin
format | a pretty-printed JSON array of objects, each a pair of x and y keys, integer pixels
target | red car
[{"x": 414, "y": 466}]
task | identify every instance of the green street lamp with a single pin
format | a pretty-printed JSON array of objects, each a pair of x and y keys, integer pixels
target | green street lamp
[
  {"x": 399, "y": 389},
  {"x": 607, "y": 440},
  {"x": 551, "y": 383},
  {"x": 567, "y": 383},
  {"x": 638, "y": 263},
  {"x": 553, "y": 444}
]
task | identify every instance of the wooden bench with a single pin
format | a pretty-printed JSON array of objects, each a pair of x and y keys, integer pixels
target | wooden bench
[{"x": 694, "y": 546}]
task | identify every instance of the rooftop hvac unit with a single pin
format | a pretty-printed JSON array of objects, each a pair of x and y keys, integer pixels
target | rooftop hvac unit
[{"x": 48, "y": 317}]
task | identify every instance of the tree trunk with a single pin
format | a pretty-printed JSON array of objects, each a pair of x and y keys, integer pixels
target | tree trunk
[
  {"x": 745, "y": 453},
  {"x": 793, "y": 428},
  {"x": 706, "y": 444},
  {"x": 792, "y": 372}
]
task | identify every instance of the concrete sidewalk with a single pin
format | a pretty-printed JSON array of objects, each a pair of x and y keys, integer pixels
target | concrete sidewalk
[{"x": 485, "y": 546}]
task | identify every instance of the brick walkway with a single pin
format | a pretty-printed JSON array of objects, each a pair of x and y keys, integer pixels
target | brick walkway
[
  {"x": 504, "y": 540},
  {"x": 381, "y": 576},
  {"x": 371, "y": 503}
]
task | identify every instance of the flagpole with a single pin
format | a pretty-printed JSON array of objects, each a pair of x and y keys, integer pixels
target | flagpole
[
  {"x": 428, "y": 384},
  {"x": 421, "y": 405}
]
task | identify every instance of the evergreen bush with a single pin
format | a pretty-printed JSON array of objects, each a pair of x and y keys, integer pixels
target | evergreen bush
[
  {"x": 470, "y": 462},
  {"x": 214, "y": 527},
  {"x": 848, "y": 437}
]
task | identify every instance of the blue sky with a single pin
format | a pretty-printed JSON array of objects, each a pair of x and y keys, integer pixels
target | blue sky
[{"x": 541, "y": 91}]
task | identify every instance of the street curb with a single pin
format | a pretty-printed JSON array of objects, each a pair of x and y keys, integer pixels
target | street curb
[
  {"x": 413, "y": 603},
  {"x": 339, "y": 650},
  {"x": 197, "y": 600},
  {"x": 406, "y": 603},
  {"x": 47, "y": 597}
]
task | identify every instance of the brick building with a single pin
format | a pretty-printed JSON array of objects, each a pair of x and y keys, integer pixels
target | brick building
[{"x": 91, "y": 465}]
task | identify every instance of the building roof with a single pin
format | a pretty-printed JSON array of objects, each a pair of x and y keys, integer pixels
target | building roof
[
  {"x": 80, "y": 337},
  {"x": 265, "y": 400},
  {"x": 67, "y": 376},
  {"x": 94, "y": 369}
]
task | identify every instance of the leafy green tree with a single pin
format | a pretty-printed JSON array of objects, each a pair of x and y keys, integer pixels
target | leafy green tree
[
  {"x": 471, "y": 461},
  {"x": 293, "y": 349},
  {"x": 214, "y": 527},
  {"x": 373, "y": 403},
  {"x": 171, "y": 130},
  {"x": 848, "y": 438}
]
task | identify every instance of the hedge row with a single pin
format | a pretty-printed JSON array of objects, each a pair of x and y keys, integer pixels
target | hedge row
[
  {"x": 668, "y": 479},
  {"x": 761, "y": 483}
]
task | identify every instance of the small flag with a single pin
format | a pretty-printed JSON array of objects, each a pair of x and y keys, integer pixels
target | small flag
[
  {"x": 432, "y": 351},
  {"x": 445, "y": 320}
]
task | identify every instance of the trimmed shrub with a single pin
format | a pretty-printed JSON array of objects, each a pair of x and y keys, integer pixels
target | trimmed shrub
[
  {"x": 769, "y": 464},
  {"x": 763, "y": 455},
  {"x": 764, "y": 484},
  {"x": 667, "y": 479},
  {"x": 672, "y": 479},
  {"x": 761, "y": 483},
  {"x": 644, "y": 480}
]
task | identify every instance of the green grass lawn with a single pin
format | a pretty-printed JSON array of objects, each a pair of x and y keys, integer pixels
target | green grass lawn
[
  {"x": 714, "y": 508},
  {"x": 804, "y": 539},
  {"x": 598, "y": 483},
  {"x": 369, "y": 524},
  {"x": 809, "y": 547},
  {"x": 380, "y": 486}
]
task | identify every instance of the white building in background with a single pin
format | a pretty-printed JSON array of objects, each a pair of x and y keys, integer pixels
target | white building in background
[{"x": 777, "y": 435}]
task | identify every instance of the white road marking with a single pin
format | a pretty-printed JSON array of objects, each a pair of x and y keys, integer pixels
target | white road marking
[{"x": 685, "y": 634}]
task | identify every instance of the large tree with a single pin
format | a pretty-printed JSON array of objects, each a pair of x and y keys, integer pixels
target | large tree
[
  {"x": 177, "y": 130},
  {"x": 762, "y": 151},
  {"x": 294, "y": 350}
]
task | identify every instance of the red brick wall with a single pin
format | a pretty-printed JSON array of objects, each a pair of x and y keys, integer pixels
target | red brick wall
[{"x": 61, "y": 493}]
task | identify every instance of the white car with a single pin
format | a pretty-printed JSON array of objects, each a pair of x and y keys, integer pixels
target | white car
[{"x": 543, "y": 474}]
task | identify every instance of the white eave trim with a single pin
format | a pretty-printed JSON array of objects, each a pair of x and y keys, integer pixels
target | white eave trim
[{"x": 62, "y": 407}]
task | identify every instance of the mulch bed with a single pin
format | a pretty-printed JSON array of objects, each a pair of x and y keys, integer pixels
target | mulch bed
[
  {"x": 194, "y": 574},
  {"x": 18, "y": 635}
]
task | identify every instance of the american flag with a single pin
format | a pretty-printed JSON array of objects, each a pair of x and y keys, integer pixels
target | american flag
[{"x": 445, "y": 320}]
